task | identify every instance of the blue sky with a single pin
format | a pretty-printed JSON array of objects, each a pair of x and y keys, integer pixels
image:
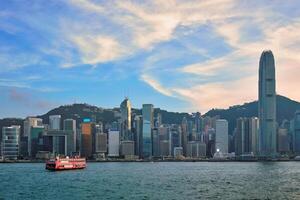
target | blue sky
[{"x": 179, "y": 55}]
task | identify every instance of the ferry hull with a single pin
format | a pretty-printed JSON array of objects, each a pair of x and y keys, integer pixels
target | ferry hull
[{"x": 65, "y": 164}]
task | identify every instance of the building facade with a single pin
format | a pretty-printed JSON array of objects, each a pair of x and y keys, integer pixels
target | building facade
[
  {"x": 222, "y": 136},
  {"x": 125, "y": 109},
  {"x": 54, "y": 122},
  {"x": 267, "y": 105},
  {"x": 147, "y": 130},
  {"x": 10, "y": 142}
]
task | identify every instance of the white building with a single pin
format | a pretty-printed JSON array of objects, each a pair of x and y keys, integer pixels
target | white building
[
  {"x": 10, "y": 142},
  {"x": 54, "y": 122},
  {"x": 113, "y": 143},
  {"x": 222, "y": 136}
]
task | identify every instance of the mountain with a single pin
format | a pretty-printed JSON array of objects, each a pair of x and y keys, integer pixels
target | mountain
[
  {"x": 286, "y": 109},
  {"x": 81, "y": 111}
]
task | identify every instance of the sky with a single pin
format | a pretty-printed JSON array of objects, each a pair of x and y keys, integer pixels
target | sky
[{"x": 183, "y": 55}]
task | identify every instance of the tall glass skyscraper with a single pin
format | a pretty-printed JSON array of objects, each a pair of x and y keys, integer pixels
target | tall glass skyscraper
[
  {"x": 125, "y": 109},
  {"x": 267, "y": 105},
  {"x": 147, "y": 128}
]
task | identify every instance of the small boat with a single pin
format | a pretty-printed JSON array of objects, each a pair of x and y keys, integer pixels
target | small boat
[{"x": 65, "y": 163}]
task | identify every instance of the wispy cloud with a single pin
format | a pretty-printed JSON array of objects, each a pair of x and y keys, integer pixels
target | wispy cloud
[{"x": 204, "y": 52}]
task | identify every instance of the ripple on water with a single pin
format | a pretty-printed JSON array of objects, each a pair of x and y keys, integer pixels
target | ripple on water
[{"x": 148, "y": 181}]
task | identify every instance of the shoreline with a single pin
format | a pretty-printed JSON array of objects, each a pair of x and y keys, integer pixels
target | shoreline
[{"x": 149, "y": 161}]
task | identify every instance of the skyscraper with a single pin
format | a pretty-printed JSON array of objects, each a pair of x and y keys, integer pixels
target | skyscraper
[
  {"x": 86, "y": 138},
  {"x": 147, "y": 128},
  {"x": 125, "y": 109},
  {"x": 184, "y": 127},
  {"x": 70, "y": 128},
  {"x": 296, "y": 135},
  {"x": 138, "y": 135},
  {"x": 29, "y": 122},
  {"x": 113, "y": 143},
  {"x": 222, "y": 136},
  {"x": 267, "y": 105},
  {"x": 54, "y": 122}
]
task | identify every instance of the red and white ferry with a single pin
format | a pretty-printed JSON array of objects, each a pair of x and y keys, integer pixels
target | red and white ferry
[{"x": 66, "y": 163}]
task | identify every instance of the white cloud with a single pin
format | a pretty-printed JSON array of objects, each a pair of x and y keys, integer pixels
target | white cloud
[
  {"x": 156, "y": 85},
  {"x": 98, "y": 48}
]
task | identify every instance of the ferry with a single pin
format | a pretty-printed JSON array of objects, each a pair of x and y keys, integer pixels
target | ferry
[{"x": 65, "y": 163}]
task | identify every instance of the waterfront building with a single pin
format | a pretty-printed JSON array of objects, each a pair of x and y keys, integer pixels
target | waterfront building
[
  {"x": 59, "y": 143},
  {"x": 222, "y": 136},
  {"x": 283, "y": 146},
  {"x": 267, "y": 105},
  {"x": 127, "y": 148},
  {"x": 113, "y": 143},
  {"x": 178, "y": 152},
  {"x": 254, "y": 135},
  {"x": 147, "y": 129},
  {"x": 87, "y": 128},
  {"x": 125, "y": 109},
  {"x": 175, "y": 138},
  {"x": 246, "y": 136},
  {"x": 101, "y": 142},
  {"x": 155, "y": 142},
  {"x": 54, "y": 122},
  {"x": 10, "y": 142},
  {"x": 138, "y": 135},
  {"x": 164, "y": 147},
  {"x": 196, "y": 149},
  {"x": 70, "y": 128},
  {"x": 296, "y": 138},
  {"x": 184, "y": 138},
  {"x": 36, "y": 132}
]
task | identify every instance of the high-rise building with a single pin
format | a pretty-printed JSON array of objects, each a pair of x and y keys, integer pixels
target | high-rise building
[
  {"x": 283, "y": 146},
  {"x": 239, "y": 136},
  {"x": 101, "y": 142},
  {"x": 70, "y": 128},
  {"x": 86, "y": 138},
  {"x": 147, "y": 130},
  {"x": 184, "y": 139},
  {"x": 158, "y": 120},
  {"x": 296, "y": 134},
  {"x": 175, "y": 138},
  {"x": 125, "y": 109},
  {"x": 113, "y": 143},
  {"x": 164, "y": 148},
  {"x": 59, "y": 141},
  {"x": 138, "y": 135},
  {"x": 246, "y": 136},
  {"x": 10, "y": 142},
  {"x": 155, "y": 142},
  {"x": 29, "y": 122},
  {"x": 222, "y": 136},
  {"x": 54, "y": 122},
  {"x": 196, "y": 149},
  {"x": 253, "y": 132},
  {"x": 127, "y": 148},
  {"x": 36, "y": 132},
  {"x": 267, "y": 105}
]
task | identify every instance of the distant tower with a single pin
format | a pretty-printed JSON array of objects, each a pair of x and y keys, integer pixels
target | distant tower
[
  {"x": 267, "y": 105},
  {"x": 125, "y": 108},
  {"x": 148, "y": 123}
]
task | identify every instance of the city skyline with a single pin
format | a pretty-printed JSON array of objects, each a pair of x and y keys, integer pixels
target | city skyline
[{"x": 178, "y": 56}]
